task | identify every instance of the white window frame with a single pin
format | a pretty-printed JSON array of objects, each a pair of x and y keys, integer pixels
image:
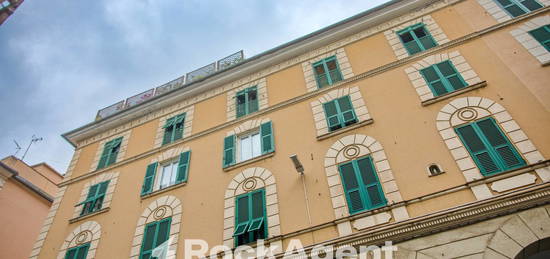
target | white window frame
[
  {"x": 160, "y": 173},
  {"x": 239, "y": 140}
]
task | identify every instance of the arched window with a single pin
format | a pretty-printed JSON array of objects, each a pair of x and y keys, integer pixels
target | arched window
[
  {"x": 159, "y": 222},
  {"x": 82, "y": 242},
  {"x": 251, "y": 208}
]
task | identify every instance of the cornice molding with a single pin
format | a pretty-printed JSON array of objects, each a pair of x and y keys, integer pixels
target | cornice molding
[{"x": 332, "y": 37}]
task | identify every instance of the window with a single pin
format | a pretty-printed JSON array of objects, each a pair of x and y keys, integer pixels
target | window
[
  {"x": 247, "y": 101},
  {"x": 79, "y": 252},
  {"x": 95, "y": 197},
  {"x": 244, "y": 147},
  {"x": 251, "y": 221},
  {"x": 542, "y": 35},
  {"x": 327, "y": 72},
  {"x": 361, "y": 185},
  {"x": 110, "y": 152},
  {"x": 171, "y": 173},
  {"x": 339, "y": 113},
  {"x": 443, "y": 78},
  {"x": 173, "y": 129},
  {"x": 489, "y": 147},
  {"x": 518, "y": 7},
  {"x": 416, "y": 39},
  {"x": 155, "y": 234}
]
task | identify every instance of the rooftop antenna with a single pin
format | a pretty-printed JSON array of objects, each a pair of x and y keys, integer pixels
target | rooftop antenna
[
  {"x": 18, "y": 148},
  {"x": 33, "y": 140}
]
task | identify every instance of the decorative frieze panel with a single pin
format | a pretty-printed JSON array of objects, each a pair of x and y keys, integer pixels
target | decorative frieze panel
[
  {"x": 400, "y": 52},
  {"x": 531, "y": 44},
  {"x": 87, "y": 232}
]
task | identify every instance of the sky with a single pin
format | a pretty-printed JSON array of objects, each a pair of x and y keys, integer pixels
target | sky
[{"x": 61, "y": 61}]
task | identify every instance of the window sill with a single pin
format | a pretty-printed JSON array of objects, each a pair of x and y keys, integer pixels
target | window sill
[
  {"x": 545, "y": 64},
  {"x": 249, "y": 161},
  {"x": 169, "y": 188},
  {"x": 79, "y": 218},
  {"x": 346, "y": 129},
  {"x": 455, "y": 93}
]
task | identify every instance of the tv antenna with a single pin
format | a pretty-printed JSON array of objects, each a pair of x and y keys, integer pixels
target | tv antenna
[
  {"x": 17, "y": 147},
  {"x": 33, "y": 140}
]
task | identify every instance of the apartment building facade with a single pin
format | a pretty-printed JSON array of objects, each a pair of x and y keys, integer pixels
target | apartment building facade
[{"x": 420, "y": 122}]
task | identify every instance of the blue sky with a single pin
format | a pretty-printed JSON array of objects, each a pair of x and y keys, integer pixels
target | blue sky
[{"x": 61, "y": 61}]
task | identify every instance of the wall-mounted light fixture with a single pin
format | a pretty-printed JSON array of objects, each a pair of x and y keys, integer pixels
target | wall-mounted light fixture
[{"x": 297, "y": 163}]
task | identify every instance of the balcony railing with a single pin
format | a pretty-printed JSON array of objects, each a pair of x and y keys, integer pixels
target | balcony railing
[{"x": 180, "y": 82}]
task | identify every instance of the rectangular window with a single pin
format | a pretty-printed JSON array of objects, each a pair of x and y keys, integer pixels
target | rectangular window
[
  {"x": 154, "y": 235},
  {"x": 249, "y": 146},
  {"x": 244, "y": 147},
  {"x": 517, "y": 7},
  {"x": 416, "y": 38},
  {"x": 170, "y": 173},
  {"x": 327, "y": 72},
  {"x": 339, "y": 113},
  {"x": 95, "y": 197},
  {"x": 361, "y": 185},
  {"x": 173, "y": 129},
  {"x": 542, "y": 35},
  {"x": 443, "y": 78},
  {"x": 110, "y": 153},
  {"x": 251, "y": 221},
  {"x": 79, "y": 252},
  {"x": 489, "y": 147},
  {"x": 247, "y": 101}
]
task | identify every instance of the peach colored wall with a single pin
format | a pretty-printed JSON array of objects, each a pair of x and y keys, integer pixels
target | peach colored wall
[
  {"x": 406, "y": 130},
  {"x": 21, "y": 217}
]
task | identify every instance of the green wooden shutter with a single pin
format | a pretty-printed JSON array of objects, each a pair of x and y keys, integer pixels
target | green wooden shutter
[
  {"x": 82, "y": 251},
  {"x": 346, "y": 110},
  {"x": 516, "y": 8},
  {"x": 416, "y": 39},
  {"x": 477, "y": 149},
  {"x": 266, "y": 133},
  {"x": 229, "y": 151},
  {"x": 321, "y": 74},
  {"x": 351, "y": 188},
  {"x": 509, "y": 157},
  {"x": 257, "y": 211},
  {"x": 168, "y": 131},
  {"x": 98, "y": 203},
  {"x": 242, "y": 215},
  {"x": 149, "y": 178},
  {"x": 178, "y": 127},
  {"x": 183, "y": 167},
  {"x": 241, "y": 103},
  {"x": 252, "y": 99},
  {"x": 88, "y": 203},
  {"x": 115, "y": 147},
  {"x": 104, "y": 156},
  {"x": 163, "y": 231},
  {"x": 148, "y": 240},
  {"x": 542, "y": 35},
  {"x": 331, "y": 114},
  {"x": 373, "y": 188},
  {"x": 451, "y": 75}
]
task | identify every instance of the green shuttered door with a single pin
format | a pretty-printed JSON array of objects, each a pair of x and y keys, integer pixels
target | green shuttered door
[
  {"x": 489, "y": 147},
  {"x": 155, "y": 234},
  {"x": 361, "y": 185}
]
